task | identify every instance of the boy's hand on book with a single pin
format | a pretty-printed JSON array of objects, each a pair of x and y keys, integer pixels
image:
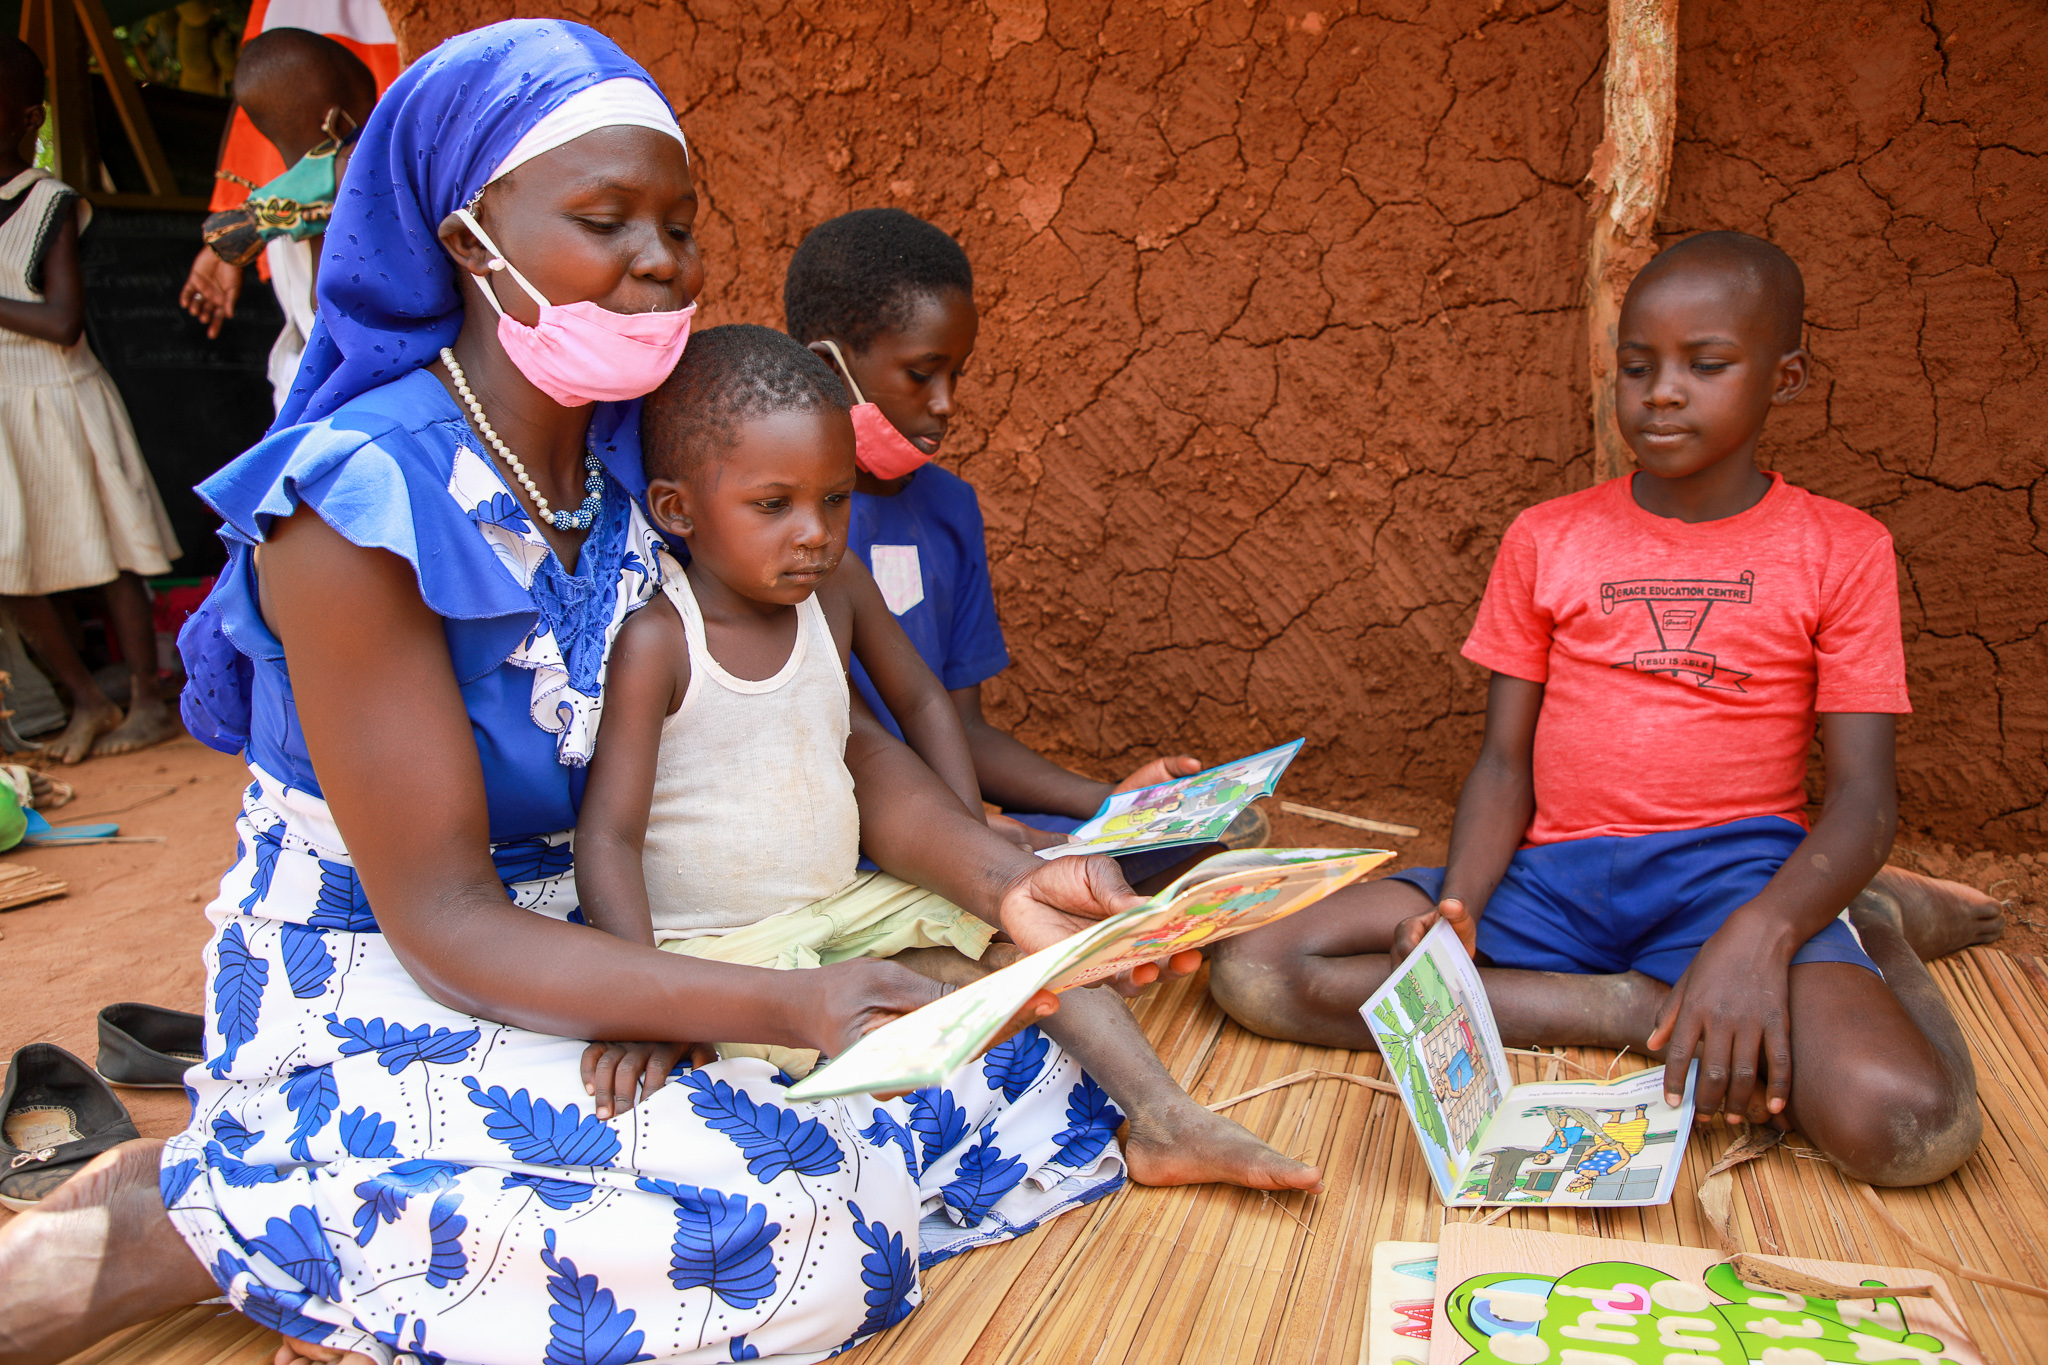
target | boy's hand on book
[
  {"x": 1024, "y": 836},
  {"x": 618, "y": 1075},
  {"x": 1731, "y": 1011},
  {"x": 1054, "y": 900},
  {"x": 1159, "y": 770},
  {"x": 1409, "y": 932}
]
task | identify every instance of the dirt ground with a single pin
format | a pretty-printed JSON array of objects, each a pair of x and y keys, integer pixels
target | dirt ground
[{"x": 133, "y": 923}]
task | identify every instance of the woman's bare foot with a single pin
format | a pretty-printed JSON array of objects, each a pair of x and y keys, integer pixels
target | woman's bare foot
[
  {"x": 1185, "y": 1144},
  {"x": 88, "y": 723},
  {"x": 292, "y": 1351},
  {"x": 150, "y": 721},
  {"x": 1937, "y": 917},
  {"x": 96, "y": 1256}
]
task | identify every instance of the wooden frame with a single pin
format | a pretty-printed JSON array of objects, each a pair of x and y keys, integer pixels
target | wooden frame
[{"x": 53, "y": 28}]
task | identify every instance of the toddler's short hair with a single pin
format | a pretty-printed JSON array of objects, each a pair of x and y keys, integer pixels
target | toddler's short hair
[
  {"x": 21, "y": 71},
  {"x": 729, "y": 375},
  {"x": 859, "y": 275}
]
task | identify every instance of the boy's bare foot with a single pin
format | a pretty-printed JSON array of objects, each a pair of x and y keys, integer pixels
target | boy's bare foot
[
  {"x": 96, "y": 1256},
  {"x": 149, "y": 722},
  {"x": 1185, "y": 1144},
  {"x": 1937, "y": 917},
  {"x": 88, "y": 723},
  {"x": 292, "y": 1351}
]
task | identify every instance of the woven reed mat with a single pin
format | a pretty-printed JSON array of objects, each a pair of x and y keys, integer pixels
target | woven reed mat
[{"x": 1214, "y": 1274}]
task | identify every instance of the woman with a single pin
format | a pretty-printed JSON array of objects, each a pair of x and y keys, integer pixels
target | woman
[{"x": 388, "y": 1153}]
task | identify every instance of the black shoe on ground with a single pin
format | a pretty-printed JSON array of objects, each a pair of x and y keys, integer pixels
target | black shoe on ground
[
  {"x": 148, "y": 1047},
  {"x": 55, "y": 1117}
]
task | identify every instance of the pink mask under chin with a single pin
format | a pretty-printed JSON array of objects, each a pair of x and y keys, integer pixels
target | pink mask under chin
[
  {"x": 579, "y": 353},
  {"x": 878, "y": 447}
]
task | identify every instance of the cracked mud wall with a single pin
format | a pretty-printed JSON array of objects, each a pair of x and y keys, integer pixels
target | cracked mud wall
[{"x": 1281, "y": 326}]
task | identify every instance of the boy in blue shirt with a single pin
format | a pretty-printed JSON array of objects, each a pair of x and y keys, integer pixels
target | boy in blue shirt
[{"x": 888, "y": 300}]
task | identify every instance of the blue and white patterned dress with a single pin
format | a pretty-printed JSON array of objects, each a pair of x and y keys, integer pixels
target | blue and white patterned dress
[{"x": 374, "y": 1171}]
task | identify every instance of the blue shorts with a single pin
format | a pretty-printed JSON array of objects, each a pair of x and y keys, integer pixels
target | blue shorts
[{"x": 1643, "y": 902}]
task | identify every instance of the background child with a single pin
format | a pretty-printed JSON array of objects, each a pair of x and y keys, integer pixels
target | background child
[
  {"x": 890, "y": 298},
  {"x": 78, "y": 508},
  {"x": 1661, "y": 646},
  {"x": 720, "y": 818},
  {"x": 294, "y": 84}
]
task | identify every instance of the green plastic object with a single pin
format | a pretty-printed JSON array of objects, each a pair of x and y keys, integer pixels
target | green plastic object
[{"x": 13, "y": 819}]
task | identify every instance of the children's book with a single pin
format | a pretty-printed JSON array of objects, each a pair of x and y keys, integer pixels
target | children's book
[
  {"x": 1187, "y": 810},
  {"x": 1400, "y": 1303},
  {"x": 1220, "y": 897},
  {"x": 1509, "y": 1297},
  {"x": 1489, "y": 1141}
]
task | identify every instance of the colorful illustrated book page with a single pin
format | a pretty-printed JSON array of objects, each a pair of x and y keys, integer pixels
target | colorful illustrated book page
[
  {"x": 1509, "y": 1297},
  {"x": 1488, "y": 1141},
  {"x": 1400, "y": 1303},
  {"x": 1187, "y": 810},
  {"x": 1229, "y": 894}
]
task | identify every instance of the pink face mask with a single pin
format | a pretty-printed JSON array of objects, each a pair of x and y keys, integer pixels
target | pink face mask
[
  {"x": 878, "y": 447},
  {"x": 580, "y": 353}
]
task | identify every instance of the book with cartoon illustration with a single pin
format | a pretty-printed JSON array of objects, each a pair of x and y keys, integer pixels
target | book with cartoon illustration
[
  {"x": 1505, "y": 1296},
  {"x": 1185, "y": 811},
  {"x": 1489, "y": 1141},
  {"x": 1220, "y": 897}
]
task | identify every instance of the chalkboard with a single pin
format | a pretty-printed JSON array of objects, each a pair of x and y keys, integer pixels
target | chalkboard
[{"x": 195, "y": 403}]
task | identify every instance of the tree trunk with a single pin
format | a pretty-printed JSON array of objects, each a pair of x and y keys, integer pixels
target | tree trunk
[{"x": 1631, "y": 169}]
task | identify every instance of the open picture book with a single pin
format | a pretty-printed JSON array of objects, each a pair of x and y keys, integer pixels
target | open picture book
[
  {"x": 1220, "y": 897},
  {"x": 1187, "y": 810},
  {"x": 1489, "y": 1141}
]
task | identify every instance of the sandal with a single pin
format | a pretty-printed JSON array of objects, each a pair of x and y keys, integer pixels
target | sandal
[
  {"x": 147, "y": 1047},
  {"x": 55, "y": 1117}
]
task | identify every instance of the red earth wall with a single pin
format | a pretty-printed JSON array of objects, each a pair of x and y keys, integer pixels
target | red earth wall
[{"x": 1282, "y": 325}]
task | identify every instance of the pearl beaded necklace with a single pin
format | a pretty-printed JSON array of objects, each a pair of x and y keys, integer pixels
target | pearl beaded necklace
[{"x": 593, "y": 483}]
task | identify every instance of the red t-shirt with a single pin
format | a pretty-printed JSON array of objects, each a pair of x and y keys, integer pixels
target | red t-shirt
[{"x": 1684, "y": 665}]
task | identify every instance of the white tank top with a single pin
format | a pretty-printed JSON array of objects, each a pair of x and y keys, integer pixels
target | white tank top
[{"x": 753, "y": 812}]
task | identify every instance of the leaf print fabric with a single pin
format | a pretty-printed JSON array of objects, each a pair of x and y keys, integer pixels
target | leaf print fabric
[
  {"x": 238, "y": 981},
  {"x": 310, "y": 1092},
  {"x": 723, "y": 1243},
  {"x": 398, "y": 1047},
  {"x": 307, "y": 962},
  {"x": 1012, "y": 1066},
  {"x": 886, "y": 1271},
  {"x": 984, "y": 1176},
  {"x": 537, "y": 1132},
  {"x": 774, "y": 1139},
  {"x": 589, "y": 1326},
  {"x": 1092, "y": 1121},
  {"x": 371, "y": 1170}
]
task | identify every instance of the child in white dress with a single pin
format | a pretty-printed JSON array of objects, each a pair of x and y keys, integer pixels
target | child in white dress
[{"x": 78, "y": 508}]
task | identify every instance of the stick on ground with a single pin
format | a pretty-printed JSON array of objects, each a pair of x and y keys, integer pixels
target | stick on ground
[{"x": 1354, "y": 821}]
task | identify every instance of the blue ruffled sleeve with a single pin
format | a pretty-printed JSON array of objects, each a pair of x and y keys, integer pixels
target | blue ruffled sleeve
[{"x": 377, "y": 471}]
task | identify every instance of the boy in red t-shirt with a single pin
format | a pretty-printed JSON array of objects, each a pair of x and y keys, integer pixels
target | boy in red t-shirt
[{"x": 1661, "y": 647}]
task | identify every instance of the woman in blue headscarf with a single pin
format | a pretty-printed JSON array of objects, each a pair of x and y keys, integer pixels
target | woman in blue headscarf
[{"x": 429, "y": 557}]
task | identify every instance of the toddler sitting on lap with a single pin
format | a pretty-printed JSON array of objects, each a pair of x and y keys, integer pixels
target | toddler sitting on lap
[{"x": 720, "y": 818}]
